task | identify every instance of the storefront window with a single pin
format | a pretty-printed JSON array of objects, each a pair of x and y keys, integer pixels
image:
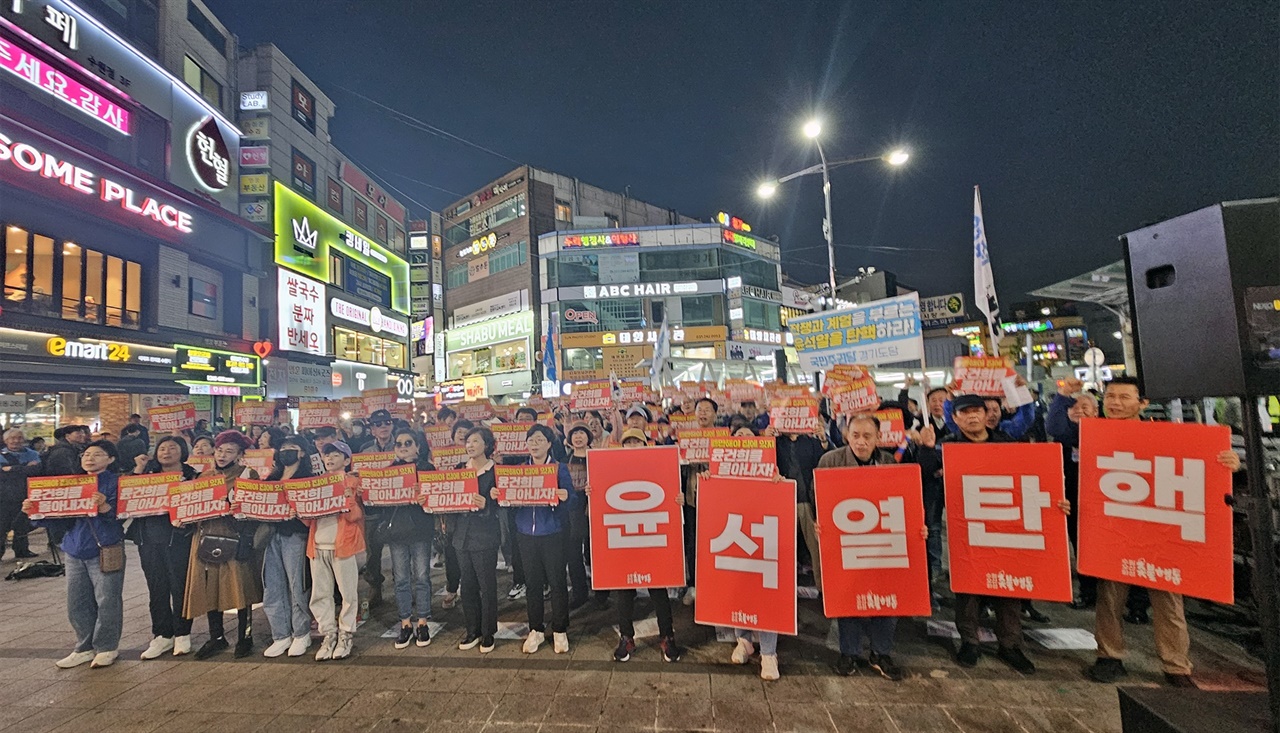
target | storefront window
[
  {"x": 42, "y": 289},
  {"x": 368, "y": 349},
  {"x": 578, "y": 316},
  {"x": 508, "y": 356},
  {"x": 92, "y": 305},
  {"x": 72, "y": 272},
  {"x": 759, "y": 314},
  {"x": 592, "y": 359},
  {"x": 15, "y": 264},
  {"x": 699, "y": 310},
  {"x": 64, "y": 279}
]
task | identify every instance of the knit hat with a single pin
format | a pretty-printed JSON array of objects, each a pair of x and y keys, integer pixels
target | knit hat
[{"x": 234, "y": 437}]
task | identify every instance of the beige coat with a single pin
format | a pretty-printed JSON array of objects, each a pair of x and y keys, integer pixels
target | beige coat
[{"x": 224, "y": 586}]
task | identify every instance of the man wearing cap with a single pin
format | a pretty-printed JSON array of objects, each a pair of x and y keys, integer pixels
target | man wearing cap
[{"x": 380, "y": 431}]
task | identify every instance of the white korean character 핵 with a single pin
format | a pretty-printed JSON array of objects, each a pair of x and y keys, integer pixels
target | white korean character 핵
[
  {"x": 990, "y": 498},
  {"x": 632, "y": 523},
  {"x": 861, "y": 549},
  {"x": 766, "y": 531},
  {"x": 1127, "y": 490}
]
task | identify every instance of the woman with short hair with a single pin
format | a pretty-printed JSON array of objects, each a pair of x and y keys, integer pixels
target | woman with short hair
[{"x": 475, "y": 538}]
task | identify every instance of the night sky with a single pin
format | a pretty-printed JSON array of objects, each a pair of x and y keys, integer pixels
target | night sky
[{"x": 1080, "y": 120}]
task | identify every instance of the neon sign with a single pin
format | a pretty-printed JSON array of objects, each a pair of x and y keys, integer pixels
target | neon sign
[
  {"x": 732, "y": 222},
  {"x": 615, "y": 239},
  {"x": 741, "y": 240},
  {"x": 22, "y": 64}
]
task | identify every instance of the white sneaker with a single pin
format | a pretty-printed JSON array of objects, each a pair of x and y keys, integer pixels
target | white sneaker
[
  {"x": 517, "y": 592},
  {"x": 299, "y": 645},
  {"x": 181, "y": 645},
  {"x": 691, "y": 596},
  {"x": 74, "y": 659},
  {"x": 561, "y": 642},
  {"x": 159, "y": 645},
  {"x": 342, "y": 649},
  {"x": 277, "y": 648},
  {"x": 743, "y": 651},
  {"x": 769, "y": 667},
  {"x": 534, "y": 641},
  {"x": 104, "y": 659},
  {"x": 327, "y": 645}
]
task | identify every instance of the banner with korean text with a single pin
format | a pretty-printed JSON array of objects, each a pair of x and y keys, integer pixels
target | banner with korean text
[
  {"x": 259, "y": 459},
  {"x": 449, "y": 457},
  {"x": 893, "y": 428},
  {"x": 852, "y": 395},
  {"x": 439, "y": 437},
  {"x": 361, "y": 461},
  {"x": 145, "y": 495},
  {"x": 982, "y": 375},
  {"x": 1007, "y": 535},
  {"x": 595, "y": 395},
  {"x": 873, "y": 555},
  {"x": 474, "y": 411},
  {"x": 746, "y": 554},
  {"x": 169, "y": 418},
  {"x": 318, "y": 414},
  {"x": 199, "y": 499},
  {"x": 57, "y": 497},
  {"x": 318, "y": 496},
  {"x": 382, "y": 398},
  {"x": 1153, "y": 506},
  {"x": 389, "y": 486},
  {"x": 527, "y": 485},
  {"x": 263, "y": 501},
  {"x": 637, "y": 526},
  {"x": 880, "y": 332},
  {"x": 254, "y": 413},
  {"x": 510, "y": 438},
  {"x": 795, "y": 415},
  {"x": 448, "y": 491},
  {"x": 743, "y": 457},
  {"x": 695, "y": 443}
]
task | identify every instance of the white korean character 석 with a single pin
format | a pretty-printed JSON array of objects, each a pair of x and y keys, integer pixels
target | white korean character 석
[
  {"x": 766, "y": 531},
  {"x": 1127, "y": 490},
  {"x": 862, "y": 546},
  {"x": 632, "y": 523},
  {"x": 990, "y": 498}
]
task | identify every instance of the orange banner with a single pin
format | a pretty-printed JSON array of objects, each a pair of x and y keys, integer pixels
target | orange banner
[
  {"x": 1006, "y": 535},
  {"x": 637, "y": 527},
  {"x": 854, "y": 395},
  {"x": 475, "y": 412},
  {"x": 746, "y": 554},
  {"x": 361, "y": 461},
  {"x": 62, "y": 496},
  {"x": 796, "y": 415},
  {"x": 528, "y": 485},
  {"x": 145, "y": 495},
  {"x": 893, "y": 429},
  {"x": 695, "y": 443},
  {"x": 510, "y": 438},
  {"x": 873, "y": 558},
  {"x": 264, "y": 501},
  {"x": 982, "y": 375},
  {"x": 318, "y": 414},
  {"x": 318, "y": 496},
  {"x": 390, "y": 486},
  {"x": 1153, "y": 508},
  {"x": 254, "y": 413},
  {"x": 377, "y": 399},
  {"x": 449, "y": 491},
  {"x": 594, "y": 395},
  {"x": 170, "y": 418},
  {"x": 259, "y": 459},
  {"x": 199, "y": 499},
  {"x": 743, "y": 457},
  {"x": 440, "y": 436}
]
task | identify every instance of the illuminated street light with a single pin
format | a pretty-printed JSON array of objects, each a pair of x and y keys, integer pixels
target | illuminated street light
[
  {"x": 813, "y": 128},
  {"x": 897, "y": 157},
  {"x": 767, "y": 189}
]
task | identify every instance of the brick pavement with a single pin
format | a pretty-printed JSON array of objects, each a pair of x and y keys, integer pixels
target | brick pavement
[{"x": 440, "y": 688}]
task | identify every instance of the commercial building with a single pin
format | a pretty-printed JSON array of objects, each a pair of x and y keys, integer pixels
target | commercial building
[{"x": 128, "y": 274}]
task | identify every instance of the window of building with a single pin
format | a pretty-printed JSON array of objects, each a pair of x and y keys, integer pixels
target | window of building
[
  {"x": 136, "y": 20},
  {"x": 753, "y": 270},
  {"x": 337, "y": 271},
  {"x": 699, "y": 310},
  {"x": 760, "y": 314},
  {"x": 203, "y": 298},
  {"x": 368, "y": 349},
  {"x": 61, "y": 279},
  {"x": 583, "y": 359},
  {"x": 508, "y": 356},
  {"x": 497, "y": 215},
  {"x": 206, "y": 28},
  {"x": 564, "y": 211},
  {"x": 457, "y": 275},
  {"x": 680, "y": 266},
  {"x": 198, "y": 79},
  {"x": 507, "y": 258},
  {"x": 612, "y": 220}
]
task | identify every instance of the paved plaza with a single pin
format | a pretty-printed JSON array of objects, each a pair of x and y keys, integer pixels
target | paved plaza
[{"x": 440, "y": 688}]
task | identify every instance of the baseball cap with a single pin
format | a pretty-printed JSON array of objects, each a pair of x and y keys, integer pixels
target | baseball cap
[
  {"x": 379, "y": 416},
  {"x": 634, "y": 434},
  {"x": 966, "y": 401},
  {"x": 338, "y": 446},
  {"x": 638, "y": 408}
]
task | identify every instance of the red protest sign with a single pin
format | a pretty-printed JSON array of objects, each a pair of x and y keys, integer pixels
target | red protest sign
[
  {"x": 318, "y": 414},
  {"x": 746, "y": 554},
  {"x": 510, "y": 438},
  {"x": 855, "y": 395},
  {"x": 199, "y": 499},
  {"x": 318, "y": 496},
  {"x": 352, "y": 408},
  {"x": 361, "y": 461},
  {"x": 893, "y": 429},
  {"x": 680, "y": 422},
  {"x": 527, "y": 485},
  {"x": 796, "y": 415},
  {"x": 264, "y": 501},
  {"x": 695, "y": 443},
  {"x": 254, "y": 413},
  {"x": 982, "y": 375},
  {"x": 450, "y": 456},
  {"x": 146, "y": 495},
  {"x": 629, "y": 392},
  {"x": 474, "y": 411},
  {"x": 637, "y": 527},
  {"x": 1152, "y": 508},
  {"x": 170, "y": 418},
  {"x": 389, "y": 486},
  {"x": 594, "y": 395},
  {"x": 259, "y": 459},
  {"x": 62, "y": 496},
  {"x": 449, "y": 491},
  {"x": 440, "y": 436},
  {"x": 200, "y": 463},
  {"x": 382, "y": 398},
  {"x": 873, "y": 558},
  {"x": 743, "y": 390},
  {"x": 1006, "y": 535},
  {"x": 733, "y": 457}
]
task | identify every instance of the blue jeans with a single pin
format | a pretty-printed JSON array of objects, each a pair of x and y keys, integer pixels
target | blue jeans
[
  {"x": 768, "y": 640},
  {"x": 95, "y": 604},
  {"x": 411, "y": 570},
  {"x": 879, "y": 629},
  {"x": 284, "y": 587}
]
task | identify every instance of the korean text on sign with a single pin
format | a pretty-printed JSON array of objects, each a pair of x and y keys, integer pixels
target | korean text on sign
[
  {"x": 755, "y": 457},
  {"x": 168, "y": 418},
  {"x": 880, "y": 332},
  {"x": 510, "y": 438},
  {"x": 145, "y": 495},
  {"x": 378, "y": 399},
  {"x": 796, "y": 415},
  {"x": 528, "y": 485},
  {"x": 361, "y": 461},
  {"x": 746, "y": 554},
  {"x": 873, "y": 559},
  {"x": 254, "y": 413},
  {"x": 982, "y": 375},
  {"x": 597, "y": 395},
  {"x": 306, "y": 319},
  {"x": 389, "y": 486},
  {"x": 448, "y": 491},
  {"x": 893, "y": 429},
  {"x": 695, "y": 443},
  {"x": 1152, "y": 506},
  {"x": 264, "y": 501},
  {"x": 62, "y": 496},
  {"x": 1007, "y": 536},
  {"x": 259, "y": 459},
  {"x": 637, "y": 527},
  {"x": 318, "y": 496},
  {"x": 199, "y": 499},
  {"x": 318, "y": 414}
]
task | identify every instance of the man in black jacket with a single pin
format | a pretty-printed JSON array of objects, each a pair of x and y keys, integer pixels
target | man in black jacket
[
  {"x": 17, "y": 462},
  {"x": 798, "y": 455},
  {"x": 63, "y": 459}
]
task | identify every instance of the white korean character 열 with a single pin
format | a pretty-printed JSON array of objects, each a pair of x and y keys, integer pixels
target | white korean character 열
[
  {"x": 990, "y": 498},
  {"x": 1127, "y": 489},
  {"x": 766, "y": 531},
  {"x": 632, "y": 522},
  {"x": 861, "y": 549}
]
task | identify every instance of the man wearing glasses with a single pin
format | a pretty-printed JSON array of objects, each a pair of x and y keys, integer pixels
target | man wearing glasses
[{"x": 380, "y": 430}]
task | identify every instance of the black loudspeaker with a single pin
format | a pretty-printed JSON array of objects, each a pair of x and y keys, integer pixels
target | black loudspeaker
[{"x": 1204, "y": 293}]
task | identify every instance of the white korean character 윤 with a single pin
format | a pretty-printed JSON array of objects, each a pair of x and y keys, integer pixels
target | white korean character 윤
[
  {"x": 861, "y": 549},
  {"x": 766, "y": 531},
  {"x": 1127, "y": 489},
  {"x": 990, "y": 498},
  {"x": 632, "y": 522}
]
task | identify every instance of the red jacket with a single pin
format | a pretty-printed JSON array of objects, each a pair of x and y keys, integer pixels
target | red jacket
[{"x": 350, "y": 541}]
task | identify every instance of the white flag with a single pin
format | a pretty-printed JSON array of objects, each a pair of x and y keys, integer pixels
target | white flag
[
  {"x": 661, "y": 352},
  {"x": 984, "y": 284}
]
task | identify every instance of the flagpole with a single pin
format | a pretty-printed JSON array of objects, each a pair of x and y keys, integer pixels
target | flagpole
[{"x": 984, "y": 284}]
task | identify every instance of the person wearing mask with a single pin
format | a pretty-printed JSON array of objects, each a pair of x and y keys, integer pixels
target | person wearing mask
[
  {"x": 235, "y": 583},
  {"x": 358, "y": 436},
  {"x": 63, "y": 459},
  {"x": 95, "y": 594},
  {"x": 410, "y": 532},
  {"x": 1123, "y": 400},
  {"x": 164, "y": 551},
  {"x": 671, "y": 652},
  {"x": 705, "y": 410},
  {"x": 475, "y": 538},
  {"x": 333, "y": 543},
  {"x": 577, "y": 539},
  {"x": 539, "y": 532},
  {"x": 798, "y": 455},
  {"x": 17, "y": 462},
  {"x": 862, "y": 436},
  {"x": 135, "y": 426},
  {"x": 1071, "y": 405},
  {"x": 284, "y": 562},
  {"x": 378, "y": 441},
  {"x": 971, "y": 420}
]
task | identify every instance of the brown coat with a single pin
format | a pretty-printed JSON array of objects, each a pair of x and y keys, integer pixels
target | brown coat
[{"x": 224, "y": 586}]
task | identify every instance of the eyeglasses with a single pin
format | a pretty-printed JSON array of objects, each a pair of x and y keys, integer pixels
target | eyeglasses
[
  {"x": 380, "y": 423},
  {"x": 405, "y": 444}
]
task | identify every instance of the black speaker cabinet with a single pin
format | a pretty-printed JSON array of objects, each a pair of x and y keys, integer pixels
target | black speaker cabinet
[{"x": 1204, "y": 293}]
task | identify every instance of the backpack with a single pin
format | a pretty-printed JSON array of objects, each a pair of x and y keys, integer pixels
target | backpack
[{"x": 37, "y": 569}]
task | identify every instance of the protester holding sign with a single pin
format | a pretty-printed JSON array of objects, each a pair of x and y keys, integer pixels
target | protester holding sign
[
  {"x": 94, "y": 557},
  {"x": 284, "y": 562},
  {"x": 164, "y": 551},
  {"x": 798, "y": 455},
  {"x": 333, "y": 542},
  {"x": 379, "y": 442},
  {"x": 476, "y": 536},
  {"x": 579, "y": 533},
  {"x": 409, "y": 532},
  {"x": 224, "y": 571},
  {"x": 1125, "y": 488},
  {"x": 1071, "y": 405},
  {"x": 705, "y": 410}
]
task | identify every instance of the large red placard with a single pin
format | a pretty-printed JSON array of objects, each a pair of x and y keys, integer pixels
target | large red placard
[
  {"x": 389, "y": 486},
  {"x": 199, "y": 499},
  {"x": 62, "y": 496},
  {"x": 318, "y": 496},
  {"x": 264, "y": 501},
  {"x": 637, "y": 527},
  {"x": 743, "y": 457},
  {"x": 145, "y": 495},
  {"x": 527, "y": 485},
  {"x": 448, "y": 491}
]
